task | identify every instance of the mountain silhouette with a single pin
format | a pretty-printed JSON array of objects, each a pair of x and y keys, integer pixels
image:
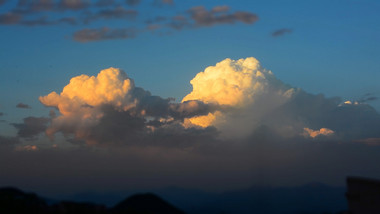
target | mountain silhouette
[
  {"x": 15, "y": 201},
  {"x": 145, "y": 204}
]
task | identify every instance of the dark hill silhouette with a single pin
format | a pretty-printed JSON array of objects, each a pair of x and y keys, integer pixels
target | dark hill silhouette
[
  {"x": 15, "y": 201},
  {"x": 145, "y": 204}
]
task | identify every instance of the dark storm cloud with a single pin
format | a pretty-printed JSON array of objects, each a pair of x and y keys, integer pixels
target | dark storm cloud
[
  {"x": 2, "y": 2},
  {"x": 281, "y": 32},
  {"x": 31, "y": 127},
  {"x": 89, "y": 35},
  {"x": 220, "y": 15},
  {"x": 23, "y": 105}
]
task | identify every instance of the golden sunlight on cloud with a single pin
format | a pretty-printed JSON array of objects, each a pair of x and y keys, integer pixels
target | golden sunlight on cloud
[
  {"x": 78, "y": 101},
  {"x": 232, "y": 83},
  {"x": 315, "y": 133},
  {"x": 28, "y": 148}
]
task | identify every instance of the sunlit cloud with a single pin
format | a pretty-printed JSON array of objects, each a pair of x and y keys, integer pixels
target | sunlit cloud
[
  {"x": 316, "y": 133},
  {"x": 28, "y": 148},
  {"x": 89, "y": 106}
]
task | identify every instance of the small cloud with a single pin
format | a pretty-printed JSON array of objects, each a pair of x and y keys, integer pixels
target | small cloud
[
  {"x": 23, "y": 105},
  {"x": 219, "y": 15},
  {"x": 132, "y": 2},
  {"x": 104, "y": 3},
  {"x": 163, "y": 2},
  {"x": 281, "y": 32},
  {"x": 1, "y": 114},
  {"x": 220, "y": 9},
  {"x": 10, "y": 18},
  {"x": 370, "y": 141},
  {"x": 73, "y": 4},
  {"x": 89, "y": 35},
  {"x": 28, "y": 148},
  {"x": 315, "y": 133},
  {"x": 115, "y": 13}
]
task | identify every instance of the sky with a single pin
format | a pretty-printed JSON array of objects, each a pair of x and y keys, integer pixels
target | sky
[{"x": 214, "y": 95}]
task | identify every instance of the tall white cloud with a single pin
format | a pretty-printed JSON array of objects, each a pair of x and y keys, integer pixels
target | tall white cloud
[{"x": 242, "y": 86}]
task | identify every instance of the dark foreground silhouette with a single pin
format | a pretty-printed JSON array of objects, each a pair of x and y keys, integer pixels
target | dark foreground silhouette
[{"x": 14, "y": 201}]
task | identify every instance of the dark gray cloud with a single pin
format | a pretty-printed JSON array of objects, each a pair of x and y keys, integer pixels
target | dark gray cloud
[
  {"x": 31, "y": 127},
  {"x": 10, "y": 18},
  {"x": 73, "y": 4},
  {"x": 1, "y": 114},
  {"x": 9, "y": 141},
  {"x": 105, "y": 3},
  {"x": 281, "y": 32},
  {"x": 89, "y": 35},
  {"x": 220, "y": 15},
  {"x": 115, "y": 13},
  {"x": 132, "y": 2},
  {"x": 163, "y": 2},
  {"x": 23, "y": 105},
  {"x": 367, "y": 98},
  {"x": 2, "y": 2}
]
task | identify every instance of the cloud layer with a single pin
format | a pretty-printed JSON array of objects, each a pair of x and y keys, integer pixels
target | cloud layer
[
  {"x": 110, "y": 19},
  {"x": 230, "y": 100}
]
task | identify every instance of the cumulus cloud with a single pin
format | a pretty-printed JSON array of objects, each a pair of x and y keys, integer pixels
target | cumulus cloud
[
  {"x": 281, "y": 32},
  {"x": 253, "y": 97},
  {"x": 88, "y": 35},
  {"x": 109, "y": 107},
  {"x": 232, "y": 100},
  {"x": 242, "y": 85},
  {"x": 23, "y": 105}
]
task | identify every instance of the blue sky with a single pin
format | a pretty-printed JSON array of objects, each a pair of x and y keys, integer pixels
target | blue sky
[{"x": 323, "y": 47}]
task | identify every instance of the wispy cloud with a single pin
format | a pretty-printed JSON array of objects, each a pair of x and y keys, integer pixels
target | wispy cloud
[
  {"x": 281, "y": 32},
  {"x": 220, "y": 15},
  {"x": 10, "y": 18},
  {"x": 88, "y": 35}
]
